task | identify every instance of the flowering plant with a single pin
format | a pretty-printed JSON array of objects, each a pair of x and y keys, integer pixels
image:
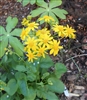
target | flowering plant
[{"x": 37, "y": 78}]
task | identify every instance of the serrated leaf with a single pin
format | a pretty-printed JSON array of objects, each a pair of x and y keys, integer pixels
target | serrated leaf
[
  {"x": 12, "y": 85},
  {"x": 16, "y": 32},
  {"x": 60, "y": 69},
  {"x": 54, "y": 3},
  {"x": 3, "y": 45},
  {"x": 17, "y": 45},
  {"x": 11, "y": 23},
  {"x": 37, "y": 12},
  {"x": 46, "y": 62},
  {"x": 56, "y": 85},
  {"x": 59, "y": 12}
]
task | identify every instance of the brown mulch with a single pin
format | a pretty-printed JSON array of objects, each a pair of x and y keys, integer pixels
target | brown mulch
[{"x": 75, "y": 58}]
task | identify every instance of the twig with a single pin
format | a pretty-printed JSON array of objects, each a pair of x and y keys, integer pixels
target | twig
[{"x": 75, "y": 57}]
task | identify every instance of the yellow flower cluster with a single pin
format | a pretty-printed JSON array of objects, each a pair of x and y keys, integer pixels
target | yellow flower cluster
[{"x": 39, "y": 41}]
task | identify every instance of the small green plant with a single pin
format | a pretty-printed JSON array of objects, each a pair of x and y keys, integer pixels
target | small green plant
[
  {"x": 50, "y": 9},
  {"x": 25, "y": 2},
  {"x": 9, "y": 37}
]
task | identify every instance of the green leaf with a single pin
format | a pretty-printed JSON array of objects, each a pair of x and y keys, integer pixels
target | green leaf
[
  {"x": 12, "y": 85},
  {"x": 20, "y": 68},
  {"x": 31, "y": 94},
  {"x": 56, "y": 85},
  {"x": 54, "y": 16},
  {"x": 51, "y": 96},
  {"x": 17, "y": 45},
  {"x": 42, "y": 4},
  {"x": 19, "y": 0},
  {"x": 11, "y": 23},
  {"x": 16, "y": 32},
  {"x": 46, "y": 62},
  {"x": 60, "y": 69},
  {"x": 2, "y": 30},
  {"x": 54, "y": 3},
  {"x": 5, "y": 97},
  {"x": 3, "y": 45},
  {"x": 32, "y": 1},
  {"x": 23, "y": 87},
  {"x": 20, "y": 75},
  {"x": 37, "y": 12},
  {"x": 45, "y": 75},
  {"x": 25, "y": 2},
  {"x": 59, "y": 12}
]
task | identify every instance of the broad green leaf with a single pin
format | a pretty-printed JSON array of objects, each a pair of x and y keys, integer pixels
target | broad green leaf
[
  {"x": 51, "y": 96},
  {"x": 56, "y": 85},
  {"x": 60, "y": 69},
  {"x": 53, "y": 15},
  {"x": 25, "y": 2},
  {"x": 11, "y": 23},
  {"x": 20, "y": 68},
  {"x": 3, "y": 45},
  {"x": 17, "y": 45},
  {"x": 59, "y": 12},
  {"x": 37, "y": 12},
  {"x": 16, "y": 32},
  {"x": 5, "y": 97},
  {"x": 31, "y": 76},
  {"x": 12, "y": 85},
  {"x": 19, "y": 0},
  {"x": 22, "y": 84},
  {"x": 2, "y": 30},
  {"x": 32, "y": 1},
  {"x": 31, "y": 94},
  {"x": 46, "y": 62},
  {"x": 42, "y": 4},
  {"x": 45, "y": 75},
  {"x": 54, "y": 3}
]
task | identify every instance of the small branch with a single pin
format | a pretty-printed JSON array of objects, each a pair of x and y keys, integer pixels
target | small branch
[{"x": 75, "y": 57}]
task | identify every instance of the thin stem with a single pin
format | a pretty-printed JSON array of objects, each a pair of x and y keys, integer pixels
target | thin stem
[{"x": 76, "y": 57}]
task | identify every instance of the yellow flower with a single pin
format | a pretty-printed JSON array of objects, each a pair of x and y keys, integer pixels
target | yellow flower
[
  {"x": 42, "y": 32},
  {"x": 55, "y": 47},
  {"x": 25, "y": 22},
  {"x": 33, "y": 25},
  {"x": 46, "y": 18},
  {"x": 31, "y": 43},
  {"x": 31, "y": 56},
  {"x": 70, "y": 32},
  {"x": 41, "y": 51},
  {"x": 45, "y": 40},
  {"x": 60, "y": 30},
  {"x": 24, "y": 33}
]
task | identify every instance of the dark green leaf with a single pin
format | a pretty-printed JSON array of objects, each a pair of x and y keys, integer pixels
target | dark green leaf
[
  {"x": 11, "y": 23},
  {"x": 55, "y": 85},
  {"x": 31, "y": 94},
  {"x": 5, "y": 97},
  {"x": 12, "y": 85},
  {"x": 60, "y": 69},
  {"x": 37, "y": 12},
  {"x": 20, "y": 68},
  {"x": 23, "y": 87},
  {"x": 46, "y": 62},
  {"x": 51, "y": 96}
]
